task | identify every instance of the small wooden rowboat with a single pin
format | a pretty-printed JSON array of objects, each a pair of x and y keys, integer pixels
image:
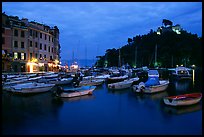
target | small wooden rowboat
[{"x": 183, "y": 100}]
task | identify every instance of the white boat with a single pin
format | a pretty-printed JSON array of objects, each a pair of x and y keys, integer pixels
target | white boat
[
  {"x": 8, "y": 86},
  {"x": 117, "y": 79},
  {"x": 183, "y": 100},
  {"x": 14, "y": 82},
  {"x": 88, "y": 77},
  {"x": 62, "y": 81},
  {"x": 75, "y": 92},
  {"x": 35, "y": 78},
  {"x": 31, "y": 75},
  {"x": 102, "y": 76},
  {"x": 181, "y": 73},
  {"x": 51, "y": 76},
  {"x": 20, "y": 78},
  {"x": 152, "y": 85},
  {"x": 163, "y": 85},
  {"x": 31, "y": 88},
  {"x": 94, "y": 82},
  {"x": 123, "y": 84}
]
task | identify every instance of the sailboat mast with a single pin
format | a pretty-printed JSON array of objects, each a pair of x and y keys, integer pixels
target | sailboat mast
[
  {"x": 119, "y": 59},
  {"x": 155, "y": 55},
  {"x": 86, "y": 56},
  {"x": 135, "y": 56}
]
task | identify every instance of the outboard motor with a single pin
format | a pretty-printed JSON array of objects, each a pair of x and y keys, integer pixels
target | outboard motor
[{"x": 140, "y": 87}]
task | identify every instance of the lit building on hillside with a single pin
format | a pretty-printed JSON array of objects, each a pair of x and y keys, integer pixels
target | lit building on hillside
[{"x": 168, "y": 26}]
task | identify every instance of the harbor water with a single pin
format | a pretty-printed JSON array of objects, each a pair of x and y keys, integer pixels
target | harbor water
[{"x": 106, "y": 112}]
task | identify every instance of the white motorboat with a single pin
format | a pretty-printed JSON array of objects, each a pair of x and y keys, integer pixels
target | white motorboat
[
  {"x": 31, "y": 88},
  {"x": 181, "y": 73},
  {"x": 94, "y": 82},
  {"x": 123, "y": 84},
  {"x": 153, "y": 84}
]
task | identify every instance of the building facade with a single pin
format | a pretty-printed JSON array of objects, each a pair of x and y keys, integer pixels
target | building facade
[{"x": 29, "y": 46}]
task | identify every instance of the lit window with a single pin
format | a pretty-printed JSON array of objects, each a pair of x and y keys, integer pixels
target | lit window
[
  {"x": 22, "y": 56},
  {"x": 15, "y": 55}
]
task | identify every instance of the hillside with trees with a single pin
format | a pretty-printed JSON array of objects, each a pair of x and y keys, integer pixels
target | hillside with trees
[{"x": 172, "y": 49}]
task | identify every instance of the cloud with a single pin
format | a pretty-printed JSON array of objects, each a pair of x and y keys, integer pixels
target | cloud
[{"x": 105, "y": 25}]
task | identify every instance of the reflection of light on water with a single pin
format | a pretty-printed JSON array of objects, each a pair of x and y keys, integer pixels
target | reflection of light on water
[{"x": 193, "y": 76}]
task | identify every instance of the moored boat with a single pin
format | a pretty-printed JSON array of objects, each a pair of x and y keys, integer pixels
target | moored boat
[
  {"x": 102, "y": 76},
  {"x": 163, "y": 85},
  {"x": 63, "y": 81},
  {"x": 183, "y": 100},
  {"x": 152, "y": 85},
  {"x": 123, "y": 84},
  {"x": 181, "y": 73},
  {"x": 94, "y": 82},
  {"x": 31, "y": 88},
  {"x": 116, "y": 79},
  {"x": 75, "y": 92}
]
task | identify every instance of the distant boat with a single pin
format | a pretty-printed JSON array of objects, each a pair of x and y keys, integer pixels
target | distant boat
[
  {"x": 123, "y": 84},
  {"x": 117, "y": 79},
  {"x": 105, "y": 76},
  {"x": 74, "y": 67},
  {"x": 75, "y": 92},
  {"x": 181, "y": 73},
  {"x": 153, "y": 84},
  {"x": 31, "y": 88},
  {"x": 94, "y": 82},
  {"x": 50, "y": 76},
  {"x": 183, "y": 100},
  {"x": 60, "y": 81}
]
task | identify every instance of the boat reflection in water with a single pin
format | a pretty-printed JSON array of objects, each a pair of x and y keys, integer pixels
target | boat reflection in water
[
  {"x": 182, "y": 86},
  {"x": 182, "y": 109},
  {"x": 157, "y": 96},
  {"x": 142, "y": 98},
  {"x": 79, "y": 98}
]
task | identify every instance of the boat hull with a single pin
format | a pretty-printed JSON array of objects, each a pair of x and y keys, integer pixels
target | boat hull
[
  {"x": 181, "y": 102},
  {"x": 119, "y": 85}
]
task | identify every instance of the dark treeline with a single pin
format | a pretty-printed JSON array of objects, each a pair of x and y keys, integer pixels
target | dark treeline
[{"x": 172, "y": 49}]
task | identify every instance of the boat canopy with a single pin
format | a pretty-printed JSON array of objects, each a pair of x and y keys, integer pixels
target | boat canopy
[{"x": 152, "y": 81}]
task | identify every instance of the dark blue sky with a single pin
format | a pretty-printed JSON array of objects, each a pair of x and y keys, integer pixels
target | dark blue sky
[{"x": 88, "y": 29}]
